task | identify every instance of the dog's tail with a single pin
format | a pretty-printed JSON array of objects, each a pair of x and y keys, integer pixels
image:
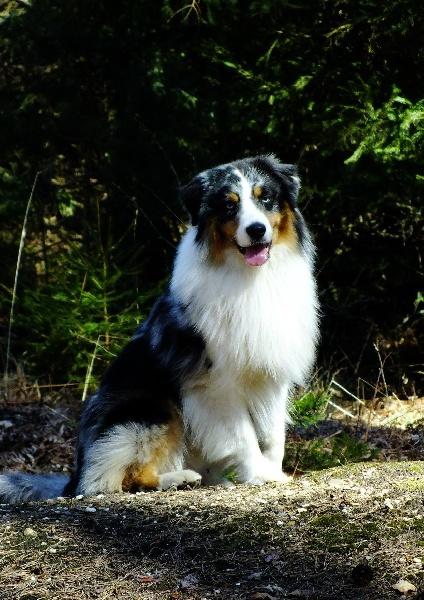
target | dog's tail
[{"x": 23, "y": 487}]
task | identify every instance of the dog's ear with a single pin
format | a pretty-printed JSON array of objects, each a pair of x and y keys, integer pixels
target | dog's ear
[
  {"x": 191, "y": 197},
  {"x": 286, "y": 174},
  {"x": 292, "y": 180}
]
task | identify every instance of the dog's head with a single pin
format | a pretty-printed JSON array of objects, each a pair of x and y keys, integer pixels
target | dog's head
[{"x": 246, "y": 206}]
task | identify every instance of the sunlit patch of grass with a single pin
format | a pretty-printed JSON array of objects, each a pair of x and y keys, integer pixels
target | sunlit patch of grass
[
  {"x": 310, "y": 407},
  {"x": 327, "y": 452}
]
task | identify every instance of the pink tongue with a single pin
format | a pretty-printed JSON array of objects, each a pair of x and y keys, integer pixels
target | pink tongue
[{"x": 255, "y": 256}]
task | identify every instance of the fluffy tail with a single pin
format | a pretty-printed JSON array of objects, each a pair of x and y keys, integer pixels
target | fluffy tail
[{"x": 22, "y": 487}]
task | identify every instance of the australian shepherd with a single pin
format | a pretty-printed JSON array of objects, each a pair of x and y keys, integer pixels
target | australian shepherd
[{"x": 203, "y": 386}]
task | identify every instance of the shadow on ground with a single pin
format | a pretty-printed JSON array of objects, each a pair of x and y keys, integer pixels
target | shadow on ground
[{"x": 344, "y": 533}]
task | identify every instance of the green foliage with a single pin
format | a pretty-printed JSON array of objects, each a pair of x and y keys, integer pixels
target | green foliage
[
  {"x": 323, "y": 453},
  {"x": 78, "y": 314},
  {"x": 393, "y": 132},
  {"x": 320, "y": 452},
  {"x": 116, "y": 108},
  {"x": 310, "y": 407}
]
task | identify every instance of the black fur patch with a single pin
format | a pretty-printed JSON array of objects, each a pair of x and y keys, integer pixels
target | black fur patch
[
  {"x": 301, "y": 231},
  {"x": 143, "y": 383},
  {"x": 278, "y": 176}
]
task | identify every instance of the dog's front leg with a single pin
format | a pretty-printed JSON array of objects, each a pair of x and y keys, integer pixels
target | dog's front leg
[
  {"x": 224, "y": 435},
  {"x": 269, "y": 415},
  {"x": 220, "y": 433}
]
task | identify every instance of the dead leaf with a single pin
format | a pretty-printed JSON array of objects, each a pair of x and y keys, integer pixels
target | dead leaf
[{"x": 145, "y": 579}]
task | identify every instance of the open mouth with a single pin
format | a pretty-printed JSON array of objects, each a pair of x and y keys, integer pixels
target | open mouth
[{"x": 255, "y": 255}]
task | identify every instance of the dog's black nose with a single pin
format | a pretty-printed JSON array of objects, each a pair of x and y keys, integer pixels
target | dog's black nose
[{"x": 256, "y": 231}]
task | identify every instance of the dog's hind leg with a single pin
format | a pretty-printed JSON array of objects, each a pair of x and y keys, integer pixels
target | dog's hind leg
[
  {"x": 132, "y": 456},
  {"x": 107, "y": 459}
]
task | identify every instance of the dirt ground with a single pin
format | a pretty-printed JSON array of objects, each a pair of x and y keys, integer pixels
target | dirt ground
[
  {"x": 346, "y": 533},
  {"x": 351, "y": 532}
]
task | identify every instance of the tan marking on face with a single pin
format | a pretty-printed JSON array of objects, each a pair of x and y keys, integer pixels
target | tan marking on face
[
  {"x": 233, "y": 197},
  {"x": 147, "y": 475},
  {"x": 221, "y": 237},
  {"x": 283, "y": 227},
  {"x": 257, "y": 191}
]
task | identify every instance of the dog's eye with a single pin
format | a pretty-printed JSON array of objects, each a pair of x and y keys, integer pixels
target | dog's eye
[
  {"x": 267, "y": 202},
  {"x": 230, "y": 206}
]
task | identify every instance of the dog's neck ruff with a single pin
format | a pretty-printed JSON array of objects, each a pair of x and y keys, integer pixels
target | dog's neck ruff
[{"x": 252, "y": 320}]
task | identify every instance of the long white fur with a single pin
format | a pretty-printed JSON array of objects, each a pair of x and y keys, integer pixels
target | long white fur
[{"x": 259, "y": 325}]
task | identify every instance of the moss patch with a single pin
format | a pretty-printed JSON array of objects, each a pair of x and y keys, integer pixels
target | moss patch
[{"x": 336, "y": 532}]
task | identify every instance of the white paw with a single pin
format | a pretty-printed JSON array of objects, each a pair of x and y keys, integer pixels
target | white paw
[
  {"x": 264, "y": 472},
  {"x": 276, "y": 477},
  {"x": 176, "y": 479}
]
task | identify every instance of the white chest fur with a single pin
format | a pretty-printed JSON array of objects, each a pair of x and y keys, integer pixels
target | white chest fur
[
  {"x": 260, "y": 328},
  {"x": 255, "y": 319}
]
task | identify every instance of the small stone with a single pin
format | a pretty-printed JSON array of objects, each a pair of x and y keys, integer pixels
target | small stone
[
  {"x": 52, "y": 550},
  {"x": 79, "y": 497},
  {"x": 272, "y": 556},
  {"x": 338, "y": 484},
  {"x": 388, "y": 504},
  {"x": 30, "y": 532},
  {"x": 91, "y": 509},
  {"x": 189, "y": 581},
  {"x": 404, "y": 586}
]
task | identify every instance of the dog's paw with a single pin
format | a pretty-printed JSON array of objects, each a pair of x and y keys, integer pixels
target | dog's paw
[
  {"x": 261, "y": 472},
  {"x": 177, "y": 479},
  {"x": 273, "y": 477}
]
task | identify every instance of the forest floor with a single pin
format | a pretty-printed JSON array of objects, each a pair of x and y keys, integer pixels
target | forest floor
[
  {"x": 345, "y": 533},
  {"x": 349, "y": 532}
]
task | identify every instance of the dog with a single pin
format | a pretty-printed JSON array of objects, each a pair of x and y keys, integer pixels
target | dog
[{"x": 204, "y": 384}]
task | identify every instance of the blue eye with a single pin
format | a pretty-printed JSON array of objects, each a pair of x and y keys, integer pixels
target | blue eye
[{"x": 267, "y": 202}]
